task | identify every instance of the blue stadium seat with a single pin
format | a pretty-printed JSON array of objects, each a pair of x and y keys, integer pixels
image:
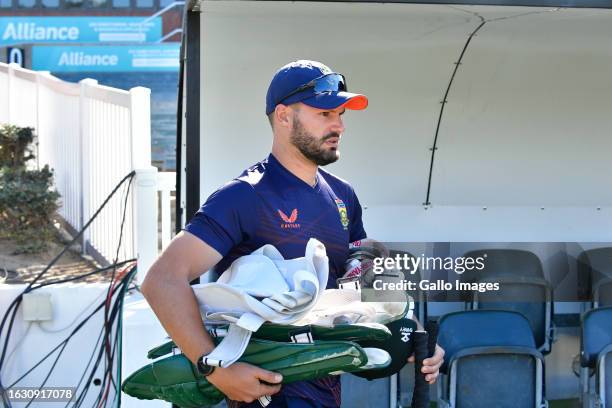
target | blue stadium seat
[
  {"x": 595, "y": 274},
  {"x": 604, "y": 385},
  {"x": 523, "y": 289},
  {"x": 596, "y": 356},
  {"x": 491, "y": 361}
]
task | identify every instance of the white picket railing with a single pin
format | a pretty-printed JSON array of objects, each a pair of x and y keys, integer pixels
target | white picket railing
[
  {"x": 93, "y": 136},
  {"x": 166, "y": 184}
]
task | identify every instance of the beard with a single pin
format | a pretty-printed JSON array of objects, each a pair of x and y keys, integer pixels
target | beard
[{"x": 311, "y": 147}]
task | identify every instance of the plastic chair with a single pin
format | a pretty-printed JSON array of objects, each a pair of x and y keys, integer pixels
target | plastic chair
[
  {"x": 595, "y": 275},
  {"x": 490, "y": 357},
  {"x": 522, "y": 289},
  {"x": 596, "y": 356}
]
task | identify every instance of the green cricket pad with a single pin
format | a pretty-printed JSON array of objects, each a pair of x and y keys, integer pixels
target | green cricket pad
[
  {"x": 357, "y": 333},
  {"x": 175, "y": 379}
]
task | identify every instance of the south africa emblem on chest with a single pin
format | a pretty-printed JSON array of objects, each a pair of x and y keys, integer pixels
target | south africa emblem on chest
[{"x": 343, "y": 214}]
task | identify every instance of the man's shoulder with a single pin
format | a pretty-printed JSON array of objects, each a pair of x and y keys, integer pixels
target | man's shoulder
[
  {"x": 235, "y": 193},
  {"x": 254, "y": 174},
  {"x": 244, "y": 186}
]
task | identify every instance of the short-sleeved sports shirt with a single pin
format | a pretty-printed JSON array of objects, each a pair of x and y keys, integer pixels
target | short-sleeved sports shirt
[{"x": 267, "y": 204}]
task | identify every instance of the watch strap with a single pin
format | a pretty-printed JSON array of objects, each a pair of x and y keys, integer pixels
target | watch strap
[{"x": 203, "y": 368}]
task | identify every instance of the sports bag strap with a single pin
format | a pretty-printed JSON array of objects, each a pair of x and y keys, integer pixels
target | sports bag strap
[
  {"x": 231, "y": 347},
  {"x": 265, "y": 400},
  {"x": 301, "y": 335}
]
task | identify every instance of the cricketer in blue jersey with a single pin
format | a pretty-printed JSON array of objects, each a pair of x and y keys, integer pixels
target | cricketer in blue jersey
[{"x": 282, "y": 200}]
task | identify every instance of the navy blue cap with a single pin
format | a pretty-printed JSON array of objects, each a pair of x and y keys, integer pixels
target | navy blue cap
[{"x": 298, "y": 73}]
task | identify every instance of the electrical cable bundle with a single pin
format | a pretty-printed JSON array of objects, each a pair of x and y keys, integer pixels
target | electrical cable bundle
[{"x": 107, "y": 350}]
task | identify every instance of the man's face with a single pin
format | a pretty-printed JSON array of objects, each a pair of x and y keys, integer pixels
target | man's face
[{"x": 316, "y": 133}]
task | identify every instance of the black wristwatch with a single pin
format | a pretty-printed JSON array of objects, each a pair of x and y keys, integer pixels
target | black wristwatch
[{"x": 203, "y": 368}]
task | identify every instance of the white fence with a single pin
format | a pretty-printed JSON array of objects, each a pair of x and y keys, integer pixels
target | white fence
[
  {"x": 92, "y": 136},
  {"x": 166, "y": 184}
]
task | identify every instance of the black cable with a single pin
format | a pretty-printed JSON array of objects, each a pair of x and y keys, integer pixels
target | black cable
[
  {"x": 85, "y": 391},
  {"x": 91, "y": 356},
  {"x": 100, "y": 354},
  {"x": 122, "y": 293},
  {"x": 71, "y": 334},
  {"x": 107, "y": 324},
  {"x": 110, "y": 366},
  {"x": 49, "y": 373},
  {"x": 443, "y": 104},
  {"x": 17, "y": 301},
  {"x": 117, "y": 306},
  {"x": 123, "y": 285},
  {"x": 118, "y": 345},
  {"x": 5, "y": 398},
  {"x": 13, "y": 307},
  {"x": 121, "y": 288},
  {"x": 95, "y": 271},
  {"x": 15, "y": 304},
  {"x": 93, "y": 371},
  {"x": 65, "y": 341},
  {"x": 110, "y": 353}
]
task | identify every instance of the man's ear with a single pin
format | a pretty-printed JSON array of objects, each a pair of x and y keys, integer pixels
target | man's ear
[{"x": 284, "y": 115}]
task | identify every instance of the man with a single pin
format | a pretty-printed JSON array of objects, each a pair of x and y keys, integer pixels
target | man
[{"x": 283, "y": 200}]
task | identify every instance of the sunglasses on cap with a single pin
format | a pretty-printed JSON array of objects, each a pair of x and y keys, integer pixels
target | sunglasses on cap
[{"x": 333, "y": 82}]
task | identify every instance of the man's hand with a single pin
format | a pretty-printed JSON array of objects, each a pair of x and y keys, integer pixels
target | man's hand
[
  {"x": 245, "y": 382},
  {"x": 431, "y": 365}
]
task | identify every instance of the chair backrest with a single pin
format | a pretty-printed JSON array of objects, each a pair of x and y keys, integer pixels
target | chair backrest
[
  {"x": 495, "y": 380},
  {"x": 532, "y": 297},
  {"x": 504, "y": 262},
  {"x": 605, "y": 376},
  {"x": 478, "y": 328},
  {"x": 490, "y": 356},
  {"x": 596, "y": 334},
  {"x": 524, "y": 288},
  {"x": 603, "y": 293},
  {"x": 595, "y": 268}
]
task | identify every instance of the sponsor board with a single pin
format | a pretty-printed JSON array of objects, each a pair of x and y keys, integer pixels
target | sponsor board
[
  {"x": 20, "y": 30},
  {"x": 121, "y": 58}
]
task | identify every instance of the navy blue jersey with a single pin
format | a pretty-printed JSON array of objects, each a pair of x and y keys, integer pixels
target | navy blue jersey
[{"x": 268, "y": 204}]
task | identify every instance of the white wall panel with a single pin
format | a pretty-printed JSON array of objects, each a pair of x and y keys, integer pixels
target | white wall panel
[
  {"x": 527, "y": 120},
  {"x": 525, "y": 126},
  {"x": 398, "y": 56}
]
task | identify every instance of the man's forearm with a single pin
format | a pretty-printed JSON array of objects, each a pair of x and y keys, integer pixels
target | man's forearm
[{"x": 177, "y": 309}]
